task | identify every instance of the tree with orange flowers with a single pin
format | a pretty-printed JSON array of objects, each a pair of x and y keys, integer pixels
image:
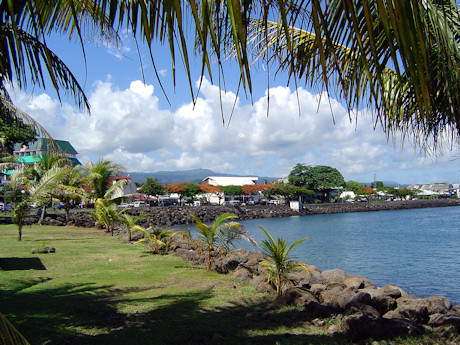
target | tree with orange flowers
[{"x": 184, "y": 189}]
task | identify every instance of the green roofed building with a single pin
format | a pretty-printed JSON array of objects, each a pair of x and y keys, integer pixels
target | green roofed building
[{"x": 32, "y": 152}]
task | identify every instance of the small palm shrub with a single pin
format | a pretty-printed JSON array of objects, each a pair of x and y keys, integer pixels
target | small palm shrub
[
  {"x": 219, "y": 236},
  {"x": 106, "y": 213},
  {"x": 277, "y": 262},
  {"x": 230, "y": 232},
  {"x": 207, "y": 236},
  {"x": 130, "y": 223},
  {"x": 156, "y": 240}
]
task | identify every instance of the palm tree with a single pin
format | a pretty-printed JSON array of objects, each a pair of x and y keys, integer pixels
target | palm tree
[
  {"x": 400, "y": 57},
  {"x": 156, "y": 239},
  {"x": 10, "y": 335},
  {"x": 106, "y": 214},
  {"x": 392, "y": 56},
  {"x": 207, "y": 235},
  {"x": 70, "y": 189},
  {"x": 38, "y": 192},
  {"x": 99, "y": 175},
  {"x": 230, "y": 232},
  {"x": 277, "y": 262},
  {"x": 38, "y": 170},
  {"x": 130, "y": 223}
]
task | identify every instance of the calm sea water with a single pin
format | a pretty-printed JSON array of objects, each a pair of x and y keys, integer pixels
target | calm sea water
[{"x": 415, "y": 249}]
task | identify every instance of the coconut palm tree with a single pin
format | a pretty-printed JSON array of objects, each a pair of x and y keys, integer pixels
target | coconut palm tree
[
  {"x": 71, "y": 188},
  {"x": 99, "y": 175},
  {"x": 277, "y": 262},
  {"x": 230, "y": 232},
  {"x": 38, "y": 192},
  {"x": 207, "y": 235},
  {"x": 156, "y": 239},
  {"x": 130, "y": 223},
  {"x": 9, "y": 333},
  {"x": 106, "y": 214},
  {"x": 389, "y": 55},
  {"x": 400, "y": 57},
  {"x": 39, "y": 169}
]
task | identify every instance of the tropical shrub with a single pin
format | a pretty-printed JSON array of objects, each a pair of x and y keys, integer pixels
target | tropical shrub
[
  {"x": 207, "y": 236},
  {"x": 130, "y": 223},
  {"x": 156, "y": 240},
  {"x": 277, "y": 262},
  {"x": 106, "y": 214},
  {"x": 230, "y": 232}
]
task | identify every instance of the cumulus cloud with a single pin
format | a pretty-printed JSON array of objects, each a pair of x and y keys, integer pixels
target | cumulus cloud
[{"x": 132, "y": 128}]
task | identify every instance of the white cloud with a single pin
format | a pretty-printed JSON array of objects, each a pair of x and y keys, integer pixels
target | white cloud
[{"x": 131, "y": 128}]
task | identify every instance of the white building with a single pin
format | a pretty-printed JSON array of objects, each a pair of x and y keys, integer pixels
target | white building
[
  {"x": 219, "y": 198},
  {"x": 230, "y": 180}
]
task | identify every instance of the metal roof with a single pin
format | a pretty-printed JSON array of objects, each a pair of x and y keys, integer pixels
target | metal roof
[{"x": 231, "y": 180}]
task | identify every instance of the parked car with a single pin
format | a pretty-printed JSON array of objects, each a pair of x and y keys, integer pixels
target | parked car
[
  {"x": 140, "y": 204},
  {"x": 126, "y": 205},
  {"x": 59, "y": 206}
]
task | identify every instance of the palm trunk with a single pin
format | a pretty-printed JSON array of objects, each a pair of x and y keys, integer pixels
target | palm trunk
[
  {"x": 67, "y": 211},
  {"x": 42, "y": 216},
  {"x": 278, "y": 285},
  {"x": 19, "y": 232}
]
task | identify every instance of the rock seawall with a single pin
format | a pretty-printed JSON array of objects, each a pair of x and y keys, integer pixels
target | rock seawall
[{"x": 170, "y": 216}]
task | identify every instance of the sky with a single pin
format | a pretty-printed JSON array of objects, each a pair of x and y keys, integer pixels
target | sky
[{"x": 131, "y": 122}]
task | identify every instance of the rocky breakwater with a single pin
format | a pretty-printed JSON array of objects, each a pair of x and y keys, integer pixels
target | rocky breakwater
[
  {"x": 362, "y": 309},
  {"x": 170, "y": 216},
  {"x": 347, "y": 207}
]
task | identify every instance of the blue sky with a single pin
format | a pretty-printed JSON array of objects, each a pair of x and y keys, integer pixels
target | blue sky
[{"x": 131, "y": 123}]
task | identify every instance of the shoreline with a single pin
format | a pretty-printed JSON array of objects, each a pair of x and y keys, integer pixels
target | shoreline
[{"x": 180, "y": 215}]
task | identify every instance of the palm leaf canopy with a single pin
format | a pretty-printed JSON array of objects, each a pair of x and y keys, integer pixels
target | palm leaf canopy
[{"x": 401, "y": 57}]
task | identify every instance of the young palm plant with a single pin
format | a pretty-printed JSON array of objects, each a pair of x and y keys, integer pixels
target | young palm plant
[
  {"x": 156, "y": 239},
  {"x": 229, "y": 233},
  {"x": 130, "y": 223},
  {"x": 277, "y": 262},
  {"x": 207, "y": 235},
  {"x": 105, "y": 213}
]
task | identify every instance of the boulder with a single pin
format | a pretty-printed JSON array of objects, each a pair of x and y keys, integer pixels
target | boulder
[
  {"x": 298, "y": 297},
  {"x": 301, "y": 277},
  {"x": 355, "y": 298},
  {"x": 437, "y": 304},
  {"x": 261, "y": 284},
  {"x": 317, "y": 288},
  {"x": 383, "y": 304},
  {"x": 333, "y": 276},
  {"x": 242, "y": 274},
  {"x": 358, "y": 282},
  {"x": 331, "y": 297},
  {"x": 409, "y": 308},
  {"x": 444, "y": 321},
  {"x": 393, "y": 291},
  {"x": 360, "y": 327},
  {"x": 363, "y": 309}
]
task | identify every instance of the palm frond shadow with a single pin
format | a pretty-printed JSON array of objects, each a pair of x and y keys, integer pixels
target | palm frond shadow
[{"x": 88, "y": 314}]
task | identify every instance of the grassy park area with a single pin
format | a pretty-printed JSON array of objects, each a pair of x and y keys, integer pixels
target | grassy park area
[{"x": 98, "y": 289}]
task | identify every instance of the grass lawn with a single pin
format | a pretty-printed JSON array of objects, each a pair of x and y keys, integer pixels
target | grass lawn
[{"x": 97, "y": 289}]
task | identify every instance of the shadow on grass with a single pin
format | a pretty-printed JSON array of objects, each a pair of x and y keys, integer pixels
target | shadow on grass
[
  {"x": 87, "y": 314},
  {"x": 19, "y": 264}
]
